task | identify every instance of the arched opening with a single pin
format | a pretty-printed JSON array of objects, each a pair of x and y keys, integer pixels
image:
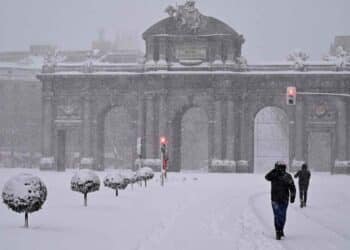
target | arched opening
[
  {"x": 117, "y": 139},
  {"x": 271, "y": 138},
  {"x": 194, "y": 140}
]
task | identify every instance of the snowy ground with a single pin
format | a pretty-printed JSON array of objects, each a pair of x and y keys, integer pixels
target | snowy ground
[{"x": 193, "y": 211}]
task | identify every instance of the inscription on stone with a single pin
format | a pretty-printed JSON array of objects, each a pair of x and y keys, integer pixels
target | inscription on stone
[{"x": 191, "y": 53}]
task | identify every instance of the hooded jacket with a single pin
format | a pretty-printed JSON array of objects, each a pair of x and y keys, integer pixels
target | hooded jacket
[{"x": 282, "y": 186}]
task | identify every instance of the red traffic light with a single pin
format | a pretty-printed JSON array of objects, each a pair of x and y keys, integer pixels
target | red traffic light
[
  {"x": 292, "y": 91},
  {"x": 163, "y": 140},
  {"x": 291, "y": 95}
]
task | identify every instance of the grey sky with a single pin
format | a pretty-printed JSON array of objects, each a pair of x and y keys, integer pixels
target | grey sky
[{"x": 272, "y": 28}]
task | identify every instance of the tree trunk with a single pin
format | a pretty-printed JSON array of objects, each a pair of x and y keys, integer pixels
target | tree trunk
[
  {"x": 26, "y": 224},
  {"x": 85, "y": 199},
  {"x": 116, "y": 192},
  {"x": 145, "y": 183}
]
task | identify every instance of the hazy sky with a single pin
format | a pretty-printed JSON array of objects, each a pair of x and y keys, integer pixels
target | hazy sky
[{"x": 272, "y": 28}]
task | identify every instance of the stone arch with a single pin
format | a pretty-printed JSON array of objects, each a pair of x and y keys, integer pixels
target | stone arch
[
  {"x": 176, "y": 119},
  {"x": 271, "y": 137},
  {"x": 102, "y": 115},
  {"x": 194, "y": 139}
]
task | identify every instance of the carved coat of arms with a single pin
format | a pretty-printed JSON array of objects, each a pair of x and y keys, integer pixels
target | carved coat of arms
[{"x": 187, "y": 16}]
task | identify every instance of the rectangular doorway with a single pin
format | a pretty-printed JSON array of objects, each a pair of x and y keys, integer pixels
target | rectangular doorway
[
  {"x": 319, "y": 151},
  {"x": 61, "y": 150}
]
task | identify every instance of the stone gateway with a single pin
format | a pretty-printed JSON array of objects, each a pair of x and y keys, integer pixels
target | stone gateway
[{"x": 195, "y": 61}]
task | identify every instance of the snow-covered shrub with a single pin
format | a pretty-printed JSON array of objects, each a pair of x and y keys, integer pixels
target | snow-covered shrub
[
  {"x": 299, "y": 58},
  {"x": 85, "y": 181},
  {"x": 222, "y": 166},
  {"x": 145, "y": 174},
  {"x": 115, "y": 181},
  {"x": 128, "y": 176},
  {"x": 24, "y": 193}
]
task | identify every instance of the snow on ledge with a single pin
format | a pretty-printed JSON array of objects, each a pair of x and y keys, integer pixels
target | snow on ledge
[
  {"x": 87, "y": 161},
  {"x": 342, "y": 164},
  {"x": 226, "y": 163},
  {"x": 47, "y": 160}
]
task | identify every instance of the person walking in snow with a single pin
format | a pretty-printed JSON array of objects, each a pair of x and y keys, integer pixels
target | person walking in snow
[
  {"x": 304, "y": 176},
  {"x": 282, "y": 188}
]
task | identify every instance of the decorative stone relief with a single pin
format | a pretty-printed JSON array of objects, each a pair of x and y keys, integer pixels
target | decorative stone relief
[
  {"x": 321, "y": 111},
  {"x": 68, "y": 109}
]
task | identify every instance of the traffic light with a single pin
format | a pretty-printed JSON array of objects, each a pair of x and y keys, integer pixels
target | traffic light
[
  {"x": 163, "y": 140},
  {"x": 163, "y": 143},
  {"x": 291, "y": 95}
]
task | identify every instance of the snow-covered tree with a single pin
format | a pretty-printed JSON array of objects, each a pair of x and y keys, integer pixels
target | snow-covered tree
[
  {"x": 24, "y": 193},
  {"x": 115, "y": 181},
  {"x": 145, "y": 174},
  {"x": 85, "y": 181},
  {"x": 340, "y": 59},
  {"x": 299, "y": 58}
]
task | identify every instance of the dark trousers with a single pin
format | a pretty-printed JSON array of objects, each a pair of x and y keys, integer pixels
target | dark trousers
[
  {"x": 303, "y": 193},
  {"x": 280, "y": 214}
]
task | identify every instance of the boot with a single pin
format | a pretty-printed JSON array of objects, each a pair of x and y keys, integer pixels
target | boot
[
  {"x": 278, "y": 235},
  {"x": 282, "y": 233}
]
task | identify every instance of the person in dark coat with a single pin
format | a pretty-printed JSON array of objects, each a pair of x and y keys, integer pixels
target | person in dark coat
[
  {"x": 304, "y": 176},
  {"x": 282, "y": 189}
]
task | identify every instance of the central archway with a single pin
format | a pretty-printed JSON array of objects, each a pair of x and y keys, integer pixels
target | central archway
[
  {"x": 118, "y": 139},
  {"x": 271, "y": 138},
  {"x": 194, "y": 140}
]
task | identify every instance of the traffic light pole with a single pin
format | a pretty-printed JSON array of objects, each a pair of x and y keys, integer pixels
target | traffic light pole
[{"x": 163, "y": 160}]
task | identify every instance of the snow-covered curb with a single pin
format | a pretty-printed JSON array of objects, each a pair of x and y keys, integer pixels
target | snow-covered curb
[
  {"x": 154, "y": 164},
  {"x": 341, "y": 167},
  {"x": 222, "y": 166}
]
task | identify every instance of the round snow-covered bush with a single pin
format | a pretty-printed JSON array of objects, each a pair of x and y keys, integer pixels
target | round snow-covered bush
[
  {"x": 115, "y": 181},
  {"x": 85, "y": 181},
  {"x": 145, "y": 174},
  {"x": 24, "y": 193},
  {"x": 129, "y": 176}
]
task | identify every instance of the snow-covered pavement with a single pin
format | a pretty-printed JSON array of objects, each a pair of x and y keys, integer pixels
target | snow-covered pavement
[{"x": 192, "y": 211}]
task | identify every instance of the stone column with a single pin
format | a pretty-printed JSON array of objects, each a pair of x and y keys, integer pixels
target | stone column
[
  {"x": 162, "y": 63},
  {"x": 141, "y": 125},
  {"x": 211, "y": 133},
  {"x": 218, "y": 54},
  {"x": 242, "y": 135},
  {"x": 150, "y": 130},
  {"x": 299, "y": 132},
  {"x": 87, "y": 160},
  {"x": 230, "y": 136},
  {"x": 230, "y": 60},
  {"x": 47, "y": 161},
  {"x": 218, "y": 152},
  {"x": 150, "y": 63},
  {"x": 341, "y": 130}
]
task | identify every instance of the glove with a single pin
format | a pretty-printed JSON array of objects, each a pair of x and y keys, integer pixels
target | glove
[{"x": 292, "y": 199}]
